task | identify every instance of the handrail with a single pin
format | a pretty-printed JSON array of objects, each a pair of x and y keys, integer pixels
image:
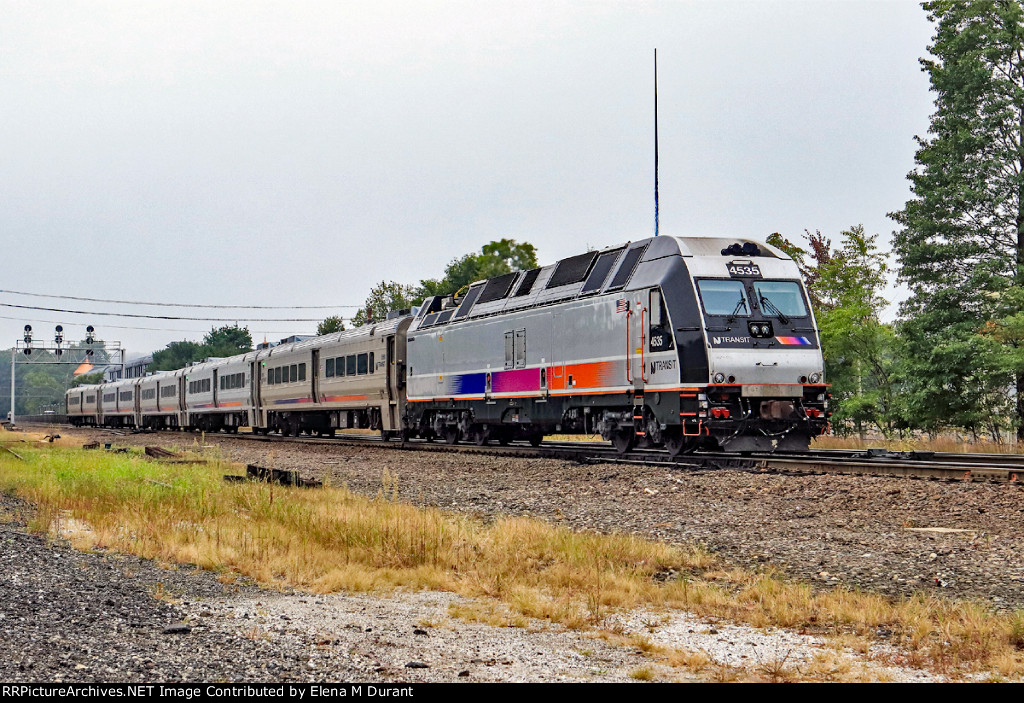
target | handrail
[
  {"x": 643, "y": 344},
  {"x": 629, "y": 353}
]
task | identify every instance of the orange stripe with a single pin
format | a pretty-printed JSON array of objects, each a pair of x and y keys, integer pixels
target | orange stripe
[
  {"x": 341, "y": 398},
  {"x": 573, "y": 391}
]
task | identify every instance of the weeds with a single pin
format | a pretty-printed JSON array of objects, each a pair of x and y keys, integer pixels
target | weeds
[
  {"x": 334, "y": 540},
  {"x": 644, "y": 673}
]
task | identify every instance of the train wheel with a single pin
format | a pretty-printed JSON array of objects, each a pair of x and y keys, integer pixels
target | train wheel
[
  {"x": 535, "y": 439},
  {"x": 504, "y": 437},
  {"x": 623, "y": 440},
  {"x": 677, "y": 444},
  {"x": 481, "y": 437},
  {"x": 451, "y": 435}
]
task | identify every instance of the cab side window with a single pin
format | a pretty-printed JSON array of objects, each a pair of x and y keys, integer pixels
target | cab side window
[{"x": 660, "y": 333}]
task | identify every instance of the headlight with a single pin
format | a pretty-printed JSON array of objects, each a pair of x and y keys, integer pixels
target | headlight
[
  {"x": 719, "y": 377},
  {"x": 815, "y": 377}
]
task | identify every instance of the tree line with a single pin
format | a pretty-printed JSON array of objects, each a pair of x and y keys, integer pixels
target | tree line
[{"x": 954, "y": 357}]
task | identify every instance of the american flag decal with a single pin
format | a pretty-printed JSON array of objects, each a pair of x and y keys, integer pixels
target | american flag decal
[{"x": 621, "y": 305}]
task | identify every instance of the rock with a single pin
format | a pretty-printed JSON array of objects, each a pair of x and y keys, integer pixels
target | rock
[
  {"x": 178, "y": 629},
  {"x": 416, "y": 665}
]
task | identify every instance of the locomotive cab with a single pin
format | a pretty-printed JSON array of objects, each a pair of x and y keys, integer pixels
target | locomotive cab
[{"x": 764, "y": 388}]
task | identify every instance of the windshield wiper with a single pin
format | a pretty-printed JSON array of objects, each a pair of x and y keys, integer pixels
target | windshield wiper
[
  {"x": 742, "y": 302},
  {"x": 772, "y": 310}
]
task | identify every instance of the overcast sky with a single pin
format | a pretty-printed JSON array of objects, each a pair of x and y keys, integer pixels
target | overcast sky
[{"x": 296, "y": 153}]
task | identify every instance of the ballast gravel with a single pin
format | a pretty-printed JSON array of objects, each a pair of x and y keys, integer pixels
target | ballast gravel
[
  {"x": 71, "y": 616},
  {"x": 894, "y": 536}
]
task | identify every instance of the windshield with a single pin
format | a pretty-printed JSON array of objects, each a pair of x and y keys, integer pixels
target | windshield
[
  {"x": 723, "y": 297},
  {"x": 780, "y": 298}
]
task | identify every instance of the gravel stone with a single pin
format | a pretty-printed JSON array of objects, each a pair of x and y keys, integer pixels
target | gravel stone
[
  {"x": 873, "y": 533},
  {"x": 71, "y": 616}
]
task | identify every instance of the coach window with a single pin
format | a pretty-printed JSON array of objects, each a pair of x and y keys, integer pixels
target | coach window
[
  {"x": 293, "y": 372},
  {"x": 371, "y": 362},
  {"x": 350, "y": 365},
  {"x": 330, "y": 368},
  {"x": 277, "y": 375},
  {"x": 302, "y": 372}
]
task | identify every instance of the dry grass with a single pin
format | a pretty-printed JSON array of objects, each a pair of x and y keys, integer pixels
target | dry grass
[
  {"x": 527, "y": 571},
  {"x": 573, "y": 438},
  {"x": 644, "y": 673},
  {"x": 939, "y": 444}
]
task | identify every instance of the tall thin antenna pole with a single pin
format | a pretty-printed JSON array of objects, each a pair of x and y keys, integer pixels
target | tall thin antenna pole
[{"x": 655, "y": 142}]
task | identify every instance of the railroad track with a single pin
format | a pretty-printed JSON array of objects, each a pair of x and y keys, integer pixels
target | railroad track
[{"x": 950, "y": 466}]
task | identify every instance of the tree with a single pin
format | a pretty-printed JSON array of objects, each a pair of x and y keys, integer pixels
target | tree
[
  {"x": 859, "y": 349},
  {"x": 960, "y": 244},
  {"x": 494, "y": 259},
  {"x": 820, "y": 253},
  {"x": 228, "y": 341},
  {"x": 218, "y": 342},
  {"x": 87, "y": 379},
  {"x": 861, "y": 353},
  {"x": 331, "y": 324},
  {"x": 178, "y": 355},
  {"x": 384, "y": 297}
]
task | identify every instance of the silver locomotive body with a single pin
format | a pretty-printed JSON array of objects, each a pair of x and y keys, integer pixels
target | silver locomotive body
[{"x": 630, "y": 342}]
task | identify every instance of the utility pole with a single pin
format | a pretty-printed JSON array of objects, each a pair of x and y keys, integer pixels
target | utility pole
[{"x": 14, "y": 357}]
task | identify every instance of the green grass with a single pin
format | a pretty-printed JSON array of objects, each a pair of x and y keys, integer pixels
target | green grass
[{"x": 330, "y": 539}]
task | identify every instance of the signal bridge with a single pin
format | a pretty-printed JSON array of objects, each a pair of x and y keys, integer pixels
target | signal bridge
[{"x": 26, "y": 347}]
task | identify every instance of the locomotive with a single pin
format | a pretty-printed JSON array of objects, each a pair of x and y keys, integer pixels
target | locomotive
[{"x": 675, "y": 342}]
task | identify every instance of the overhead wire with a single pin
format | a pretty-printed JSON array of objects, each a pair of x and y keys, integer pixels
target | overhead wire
[
  {"x": 164, "y": 317},
  {"x": 133, "y": 327},
  {"x": 181, "y": 305}
]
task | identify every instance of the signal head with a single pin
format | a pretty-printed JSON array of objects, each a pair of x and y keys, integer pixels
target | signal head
[
  {"x": 28, "y": 329},
  {"x": 28, "y": 352},
  {"x": 59, "y": 328}
]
